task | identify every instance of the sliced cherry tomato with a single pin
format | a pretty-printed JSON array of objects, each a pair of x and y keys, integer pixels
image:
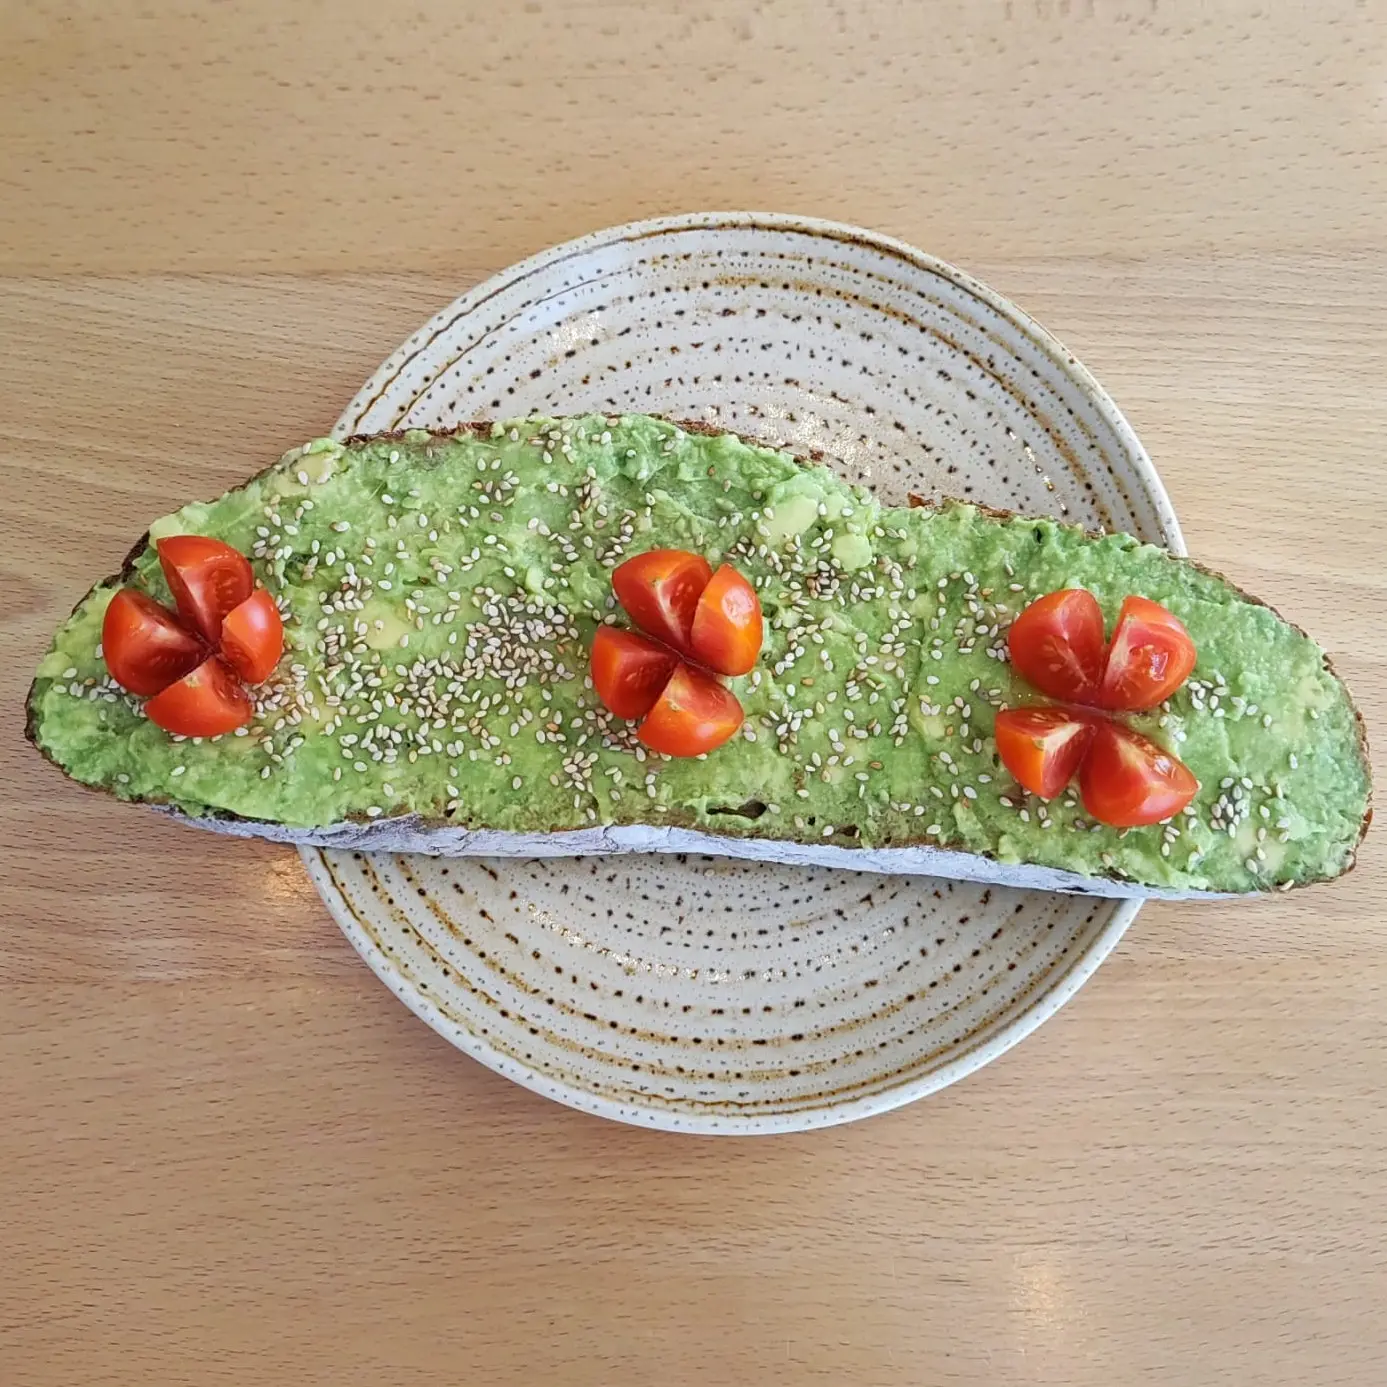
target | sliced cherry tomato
[
  {"x": 207, "y": 579},
  {"x": 694, "y": 714},
  {"x": 1150, "y": 657},
  {"x": 1042, "y": 747},
  {"x": 253, "y": 637},
  {"x": 144, "y": 645},
  {"x": 727, "y": 630},
  {"x": 629, "y": 671},
  {"x": 1057, "y": 645},
  {"x": 1127, "y": 781},
  {"x": 660, "y": 591},
  {"x": 205, "y": 703}
]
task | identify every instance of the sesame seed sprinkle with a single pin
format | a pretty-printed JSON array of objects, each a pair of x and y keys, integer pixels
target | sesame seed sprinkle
[{"x": 438, "y": 646}]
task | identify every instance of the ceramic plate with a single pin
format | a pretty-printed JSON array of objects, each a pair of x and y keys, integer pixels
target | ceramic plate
[{"x": 697, "y": 993}]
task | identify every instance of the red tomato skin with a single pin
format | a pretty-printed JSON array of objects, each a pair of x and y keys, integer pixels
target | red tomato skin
[
  {"x": 1042, "y": 747},
  {"x": 1127, "y": 781},
  {"x": 253, "y": 637},
  {"x": 207, "y": 579},
  {"x": 660, "y": 590},
  {"x": 145, "y": 646},
  {"x": 1150, "y": 657},
  {"x": 693, "y": 714},
  {"x": 727, "y": 629},
  {"x": 629, "y": 671},
  {"x": 205, "y": 703},
  {"x": 1056, "y": 645}
]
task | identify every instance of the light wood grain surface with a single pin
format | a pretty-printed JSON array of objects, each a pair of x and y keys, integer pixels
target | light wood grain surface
[{"x": 227, "y": 1155}]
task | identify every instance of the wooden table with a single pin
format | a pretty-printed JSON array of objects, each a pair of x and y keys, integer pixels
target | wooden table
[{"x": 227, "y": 1154}]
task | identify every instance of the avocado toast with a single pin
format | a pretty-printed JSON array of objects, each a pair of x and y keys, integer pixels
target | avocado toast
[{"x": 440, "y": 596}]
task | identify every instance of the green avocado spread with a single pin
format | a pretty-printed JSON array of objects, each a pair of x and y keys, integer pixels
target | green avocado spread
[{"x": 441, "y": 593}]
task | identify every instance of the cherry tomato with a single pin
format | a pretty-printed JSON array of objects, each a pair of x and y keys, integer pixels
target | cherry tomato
[
  {"x": 253, "y": 637},
  {"x": 1057, "y": 645},
  {"x": 629, "y": 671},
  {"x": 205, "y": 703},
  {"x": 144, "y": 645},
  {"x": 1150, "y": 657},
  {"x": 207, "y": 579},
  {"x": 660, "y": 591},
  {"x": 694, "y": 714},
  {"x": 1127, "y": 781},
  {"x": 727, "y": 623},
  {"x": 1042, "y": 747}
]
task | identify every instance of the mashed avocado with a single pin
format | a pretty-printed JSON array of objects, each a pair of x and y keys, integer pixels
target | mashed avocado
[{"x": 442, "y": 591}]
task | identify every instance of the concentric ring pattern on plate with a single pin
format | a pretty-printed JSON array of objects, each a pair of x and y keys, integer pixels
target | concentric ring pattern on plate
[{"x": 697, "y": 993}]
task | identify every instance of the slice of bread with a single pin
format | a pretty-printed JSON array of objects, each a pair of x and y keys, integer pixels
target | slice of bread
[{"x": 867, "y": 743}]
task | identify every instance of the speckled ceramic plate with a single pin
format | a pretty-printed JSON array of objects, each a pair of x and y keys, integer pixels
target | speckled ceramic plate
[{"x": 701, "y": 994}]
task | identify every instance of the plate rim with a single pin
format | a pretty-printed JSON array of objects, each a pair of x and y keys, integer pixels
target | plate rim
[
  {"x": 974, "y": 1055},
  {"x": 971, "y": 1057}
]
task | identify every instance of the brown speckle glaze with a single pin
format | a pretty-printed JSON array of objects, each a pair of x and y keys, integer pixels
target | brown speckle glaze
[{"x": 697, "y": 993}]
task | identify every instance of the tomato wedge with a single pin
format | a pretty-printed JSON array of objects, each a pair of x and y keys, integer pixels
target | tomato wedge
[
  {"x": 143, "y": 644},
  {"x": 629, "y": 671},
  {"x": 1127, "y": 781},
  {"x": 727, "y": 630},
  {"x": 253, "y": 637},
  {"x": 694, "y": 714},
  {"x": 205, "y": 703},
  {"x": 207, "y": 579},
  {"x": 1151, "y": 656},
  {"x": 1042, "y": 747},
  {"x": 1057, "y": 645},
  {"x": 660, "y": 591}
]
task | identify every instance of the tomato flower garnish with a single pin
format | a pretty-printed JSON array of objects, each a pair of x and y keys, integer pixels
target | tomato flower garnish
[
  {"x": 191, "y": 663},
  {"x": 1056, "y": 644},
  {"x": 697, "y": 624}
]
